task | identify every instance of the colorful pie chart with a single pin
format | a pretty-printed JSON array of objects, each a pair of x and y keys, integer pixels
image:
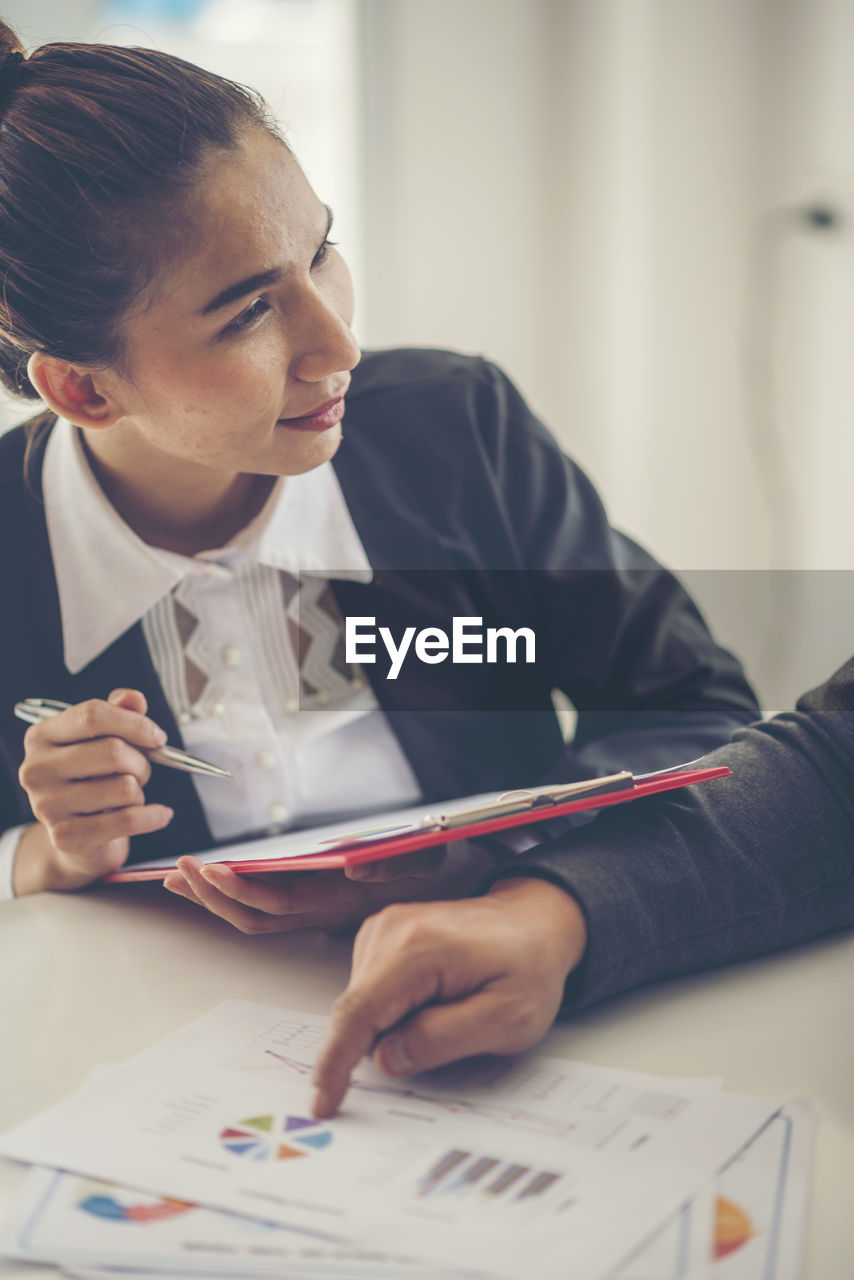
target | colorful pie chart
[
  {"x": 269, "y": 1138},
  {"x": 733, "y": 1228},
  {"x": 102, "y": 1201}
]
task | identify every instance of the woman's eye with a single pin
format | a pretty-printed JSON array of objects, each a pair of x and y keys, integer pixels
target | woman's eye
[
  {"x": 323, "y": 253},
  {"x": 249, "y": 317}
]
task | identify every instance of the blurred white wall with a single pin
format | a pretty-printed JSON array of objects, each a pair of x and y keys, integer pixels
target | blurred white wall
[
  {"x": 572, "y": 187},
  {"x": 581, "y": 190},
  {"x": 585, "y": 191}
]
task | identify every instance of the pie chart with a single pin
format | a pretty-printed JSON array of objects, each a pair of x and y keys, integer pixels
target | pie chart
[
  {"x": 270, "y": 1137},
  {"x": 733, "y": 1228},
  {"x": 103, "y": 1201}
]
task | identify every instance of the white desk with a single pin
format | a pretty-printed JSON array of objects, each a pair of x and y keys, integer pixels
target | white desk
[{"x": 95, "y": 977}]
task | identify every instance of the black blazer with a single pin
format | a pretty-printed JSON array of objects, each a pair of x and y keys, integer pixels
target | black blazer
[{"x": 465, "y": 505}]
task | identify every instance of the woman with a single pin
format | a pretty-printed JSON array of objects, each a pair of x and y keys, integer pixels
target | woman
[{"x": 190, "y": 525}]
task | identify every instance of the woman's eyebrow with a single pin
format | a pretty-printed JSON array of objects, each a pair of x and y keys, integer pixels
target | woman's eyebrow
[
  {"x": 259, "y": 281},
  {"x": 234, "y": 291}
]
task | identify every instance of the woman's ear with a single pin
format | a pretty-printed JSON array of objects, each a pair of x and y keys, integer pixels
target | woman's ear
[{"x": 71, "y": 392}]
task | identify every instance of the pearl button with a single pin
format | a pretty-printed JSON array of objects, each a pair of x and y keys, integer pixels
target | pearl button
[
  {"x": 266, "y": 759},
  {"x": 231, "y": 656},
  {"x": 216, "y": 709},
  {"x": 291, "y": 705},
  {"x": 184, "y": 717},
  {"x": 278, "y": 813}
]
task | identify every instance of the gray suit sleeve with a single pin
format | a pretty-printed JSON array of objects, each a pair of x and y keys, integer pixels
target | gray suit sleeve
[{"x": 724, "y": 870}]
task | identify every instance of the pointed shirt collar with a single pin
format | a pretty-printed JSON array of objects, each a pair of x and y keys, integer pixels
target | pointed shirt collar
[{"x": 108, "y": 578}]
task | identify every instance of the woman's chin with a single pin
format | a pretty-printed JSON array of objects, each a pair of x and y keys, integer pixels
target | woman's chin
[{"x": 307, "y": 450}]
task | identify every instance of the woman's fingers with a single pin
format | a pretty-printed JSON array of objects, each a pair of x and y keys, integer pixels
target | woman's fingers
[
  {"x": 316, "y": 896},
  {"x": 176, "y": 883},
  {"x": 80, "y": 799},
  {"x": 84, "y": 771},
  {"x": 131, "y": 699},
  {"x": 274, "y": 897},
  {"x": 327, "y": 900},
  {"x": 99, "y": 758},
  {"x": 222, "y": 903},
  {"x": 256, "y": 904},
  {"x": 77, "y": 835},
  {"x": 96, "y": 719}
]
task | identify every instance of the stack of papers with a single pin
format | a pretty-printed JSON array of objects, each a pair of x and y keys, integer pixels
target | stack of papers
[{"x": 198, "y": 1157}]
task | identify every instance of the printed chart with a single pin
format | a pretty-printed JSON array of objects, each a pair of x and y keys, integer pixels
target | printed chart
[
  {"x": 459, "y": 1173},
  {"x": 733, "y": 1228},
  {"x": 749, "y": 1224},
  {"x": 451, "y": 1170},
  {"x": 105, "y": 1201},
  {"x": 267, "y": 1137},
  {"x": 536, "y": 1096}
]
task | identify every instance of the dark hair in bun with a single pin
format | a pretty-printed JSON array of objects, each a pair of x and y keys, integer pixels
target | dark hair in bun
[
  {"x": 12, "y": 59},
  {"x": 99, "y": 149}
]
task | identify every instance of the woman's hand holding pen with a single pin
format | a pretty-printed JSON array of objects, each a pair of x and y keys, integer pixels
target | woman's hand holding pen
[{"x": 84, "y": 772}]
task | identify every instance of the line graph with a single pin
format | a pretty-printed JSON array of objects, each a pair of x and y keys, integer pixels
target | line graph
[
  {"x": 538, "y": 1097},
  {"x": 512, "y": 1117}
]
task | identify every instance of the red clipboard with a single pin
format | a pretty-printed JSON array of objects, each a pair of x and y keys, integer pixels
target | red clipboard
[{"x": 393, "y": 846}]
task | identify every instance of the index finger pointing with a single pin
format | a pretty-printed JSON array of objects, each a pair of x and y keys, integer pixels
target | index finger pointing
[
  {"x": 368, "y": 1008},
  {"x": 351, "y": 1035}
]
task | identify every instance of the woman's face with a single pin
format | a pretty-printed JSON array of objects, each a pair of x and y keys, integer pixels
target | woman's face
[{"x": 239, "y": 359}]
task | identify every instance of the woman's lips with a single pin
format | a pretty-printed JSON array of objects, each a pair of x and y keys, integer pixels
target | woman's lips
[{"x": 321, "y": 420}]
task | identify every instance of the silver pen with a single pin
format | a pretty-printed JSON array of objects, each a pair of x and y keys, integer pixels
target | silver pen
[{"x": 35, "y": 710}]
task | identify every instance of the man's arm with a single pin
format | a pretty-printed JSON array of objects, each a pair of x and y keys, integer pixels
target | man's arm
[
  {"x": 726, "y": 870},
  {"x": 679, "y": 882}
]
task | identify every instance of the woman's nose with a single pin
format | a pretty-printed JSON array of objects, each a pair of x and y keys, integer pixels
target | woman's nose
[{"x": 324, "y": 342}]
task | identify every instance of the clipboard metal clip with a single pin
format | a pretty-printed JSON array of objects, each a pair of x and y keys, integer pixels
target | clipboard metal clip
[
  {"x": 536, "y": 798},
  {"x": 510, "y": 802}
]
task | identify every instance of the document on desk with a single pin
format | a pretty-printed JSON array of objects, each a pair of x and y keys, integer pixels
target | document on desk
[
  {"x": 81, "y": 1222},
  {"x": 533, "y": 1166},
  {"x": 750, "y": 1222}
]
